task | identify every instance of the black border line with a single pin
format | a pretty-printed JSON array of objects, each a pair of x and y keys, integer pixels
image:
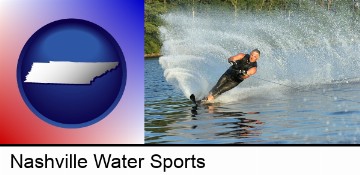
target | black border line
[{"x": 179, "y": 145}]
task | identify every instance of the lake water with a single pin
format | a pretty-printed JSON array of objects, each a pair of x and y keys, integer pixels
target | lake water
[{"x": 323, "y": 114}]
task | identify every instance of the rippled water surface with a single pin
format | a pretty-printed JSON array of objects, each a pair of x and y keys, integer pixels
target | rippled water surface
[{"x": 316, "y": 114}]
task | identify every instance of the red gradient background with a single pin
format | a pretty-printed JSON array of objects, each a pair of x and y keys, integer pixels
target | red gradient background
[{"x": 20, "y": 19}]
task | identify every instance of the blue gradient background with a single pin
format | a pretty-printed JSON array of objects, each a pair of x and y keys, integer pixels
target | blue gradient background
[{"x": 122, "y": 19}]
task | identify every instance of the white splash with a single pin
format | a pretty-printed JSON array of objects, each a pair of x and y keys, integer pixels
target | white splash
[{"x": 301, "y": 49}]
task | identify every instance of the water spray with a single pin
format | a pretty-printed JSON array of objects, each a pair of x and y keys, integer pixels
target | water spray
[{"x": 307, "y": 48}]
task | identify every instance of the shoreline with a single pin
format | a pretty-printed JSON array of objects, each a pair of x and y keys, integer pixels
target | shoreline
[{"x": 152, "y": 55}]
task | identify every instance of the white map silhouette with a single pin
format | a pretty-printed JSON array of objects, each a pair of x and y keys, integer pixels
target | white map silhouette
[{"x": 66, "y": 72}]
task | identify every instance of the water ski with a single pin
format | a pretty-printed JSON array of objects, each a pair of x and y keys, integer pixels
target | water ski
[
  {"x": 198, "y": 102},
  {"x": 192, "y": 98},
  {"x": 194, "y": 108}
]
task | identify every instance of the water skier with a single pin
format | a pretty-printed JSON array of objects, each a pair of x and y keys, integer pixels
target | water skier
[{"x": 243, "y": 66}]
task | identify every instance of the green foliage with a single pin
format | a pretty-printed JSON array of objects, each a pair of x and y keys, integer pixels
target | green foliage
[{"x": 153, "y": 10}]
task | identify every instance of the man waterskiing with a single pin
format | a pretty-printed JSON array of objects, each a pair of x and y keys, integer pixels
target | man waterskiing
[{"x": 243, "y": 66}]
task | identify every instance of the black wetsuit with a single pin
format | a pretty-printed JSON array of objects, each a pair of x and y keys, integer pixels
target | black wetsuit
[{"x": 232, "y": 77}]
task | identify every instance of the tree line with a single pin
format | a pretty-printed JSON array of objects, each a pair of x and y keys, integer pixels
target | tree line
[{"x": 154, "y": 9}]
